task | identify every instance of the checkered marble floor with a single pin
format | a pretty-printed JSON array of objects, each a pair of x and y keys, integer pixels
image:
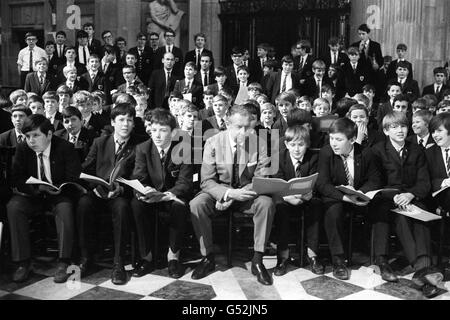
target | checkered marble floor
[{"x": 236, "y": 283}]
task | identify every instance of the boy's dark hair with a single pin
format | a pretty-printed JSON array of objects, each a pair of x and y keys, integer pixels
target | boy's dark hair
[
  {"x": 120, "y": 39},
  {"x": 109, "y": 49},
  {"x": 82, "y": 34},
  {"x": 402, "y": 64},
  {"x": 123, "y": 109},
  {"x": 369, "y": 87},
  {"x": 94, "y": 56},
  {"x": 440, "y": 70},
  {"x": 70, "y": 112},
  {"x": 50, "y": 43},
  {"x": 243, "y": 67},
  {"x": 252, "y": 108},
  {"x": 50, "y": 95},
  {"x": 271, "y": 64},
  {"x": 32, "y": 99},
  {"x": 219, "y": 71},
  {"x": 333, "y": 41},
  {"x": 446, "y": 92},
  {"x": 297, "y": 132},
  {"x": 199, "y": 35},
  {"x": 88, "y": 24},
  {"x": 345, "y": 126},
  {"x": 327, "y": 88},
  {"x": 169, "y": 31},
  {"x": 70, "y": 48},
  {"x": 37, "y": 121},
  {"x": 121, "y": 98},
  {"x": 30, "y": 34},
  {"x": 237, "y": 50},
  {"x": 298, "y": 117},
  {"x": 402, "y": 46},
  {"x": 420, "y": 103},
  {"x": 62, "y": 33},
  {"x": 401, "y": 97},
  {"x": 208, "y": 92},
  {"x": 364, "y": 27},
  {"x": 21, "y": 108},
  {"x": 6, "y": 103},
  {"x": 387, "y": 59},
  {"x": 442, "y": 119},
  {"x": 191, "y": 65},
  {"x": 443, "y": 104},
  {"x": 105, "y": 32},
  {"x": 393, "y": 83},
  {"x": 162, "y": 117},
  {"x": 287, "y": 59},
  {"x": 305, "y": 45},
  {"x": 343, "y": 105},
  {"x": 140, "y": 35},
  {"x": 264, "y": 46},
  {"x": 431, "y": 100}
]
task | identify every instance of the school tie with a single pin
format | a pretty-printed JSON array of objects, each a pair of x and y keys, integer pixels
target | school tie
[
  {"x": 41, "y": 79},
  {"x": 421, "y": 142},
  {"x": 205, "y": 79},
  {"x": 301, "y": 62},
  {"x": 73, "y": 139},
  {"x": 167, "y": 83},
  {"x": 60, "y": 51},
  {"x": 335, "y": 57},
  {"x": 197, "y": 57},
  {"x": 438, "y": 89},
  {"x": 447, "y": 156},
  {"x": 298, "y": 171},
  {"x": 283, "y": 87},
  {"x": 19, "y": 139},
  {"x": 84, "y": 56},
  {"x": 319, "y": 86},
  {"x": 222, "y": 126},
  {"x": 235, "y": 183},
  {"x": 42, "y": 168},
  {"x": 120, "y": 148},
  {"x": 162, "y": 155},
  {"x": 31, "y": 60},
  {"x": 347, "y": 170}
]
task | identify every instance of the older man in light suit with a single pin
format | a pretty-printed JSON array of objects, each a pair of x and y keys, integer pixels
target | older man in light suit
[{"x": 228, "y": 168}]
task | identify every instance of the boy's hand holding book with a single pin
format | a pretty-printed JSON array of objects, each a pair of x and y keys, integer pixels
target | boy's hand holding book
[
  {"x": 404, "y": 199},
  {"x": 48, "y": 190},
  {"x": 354, "y": 199}
]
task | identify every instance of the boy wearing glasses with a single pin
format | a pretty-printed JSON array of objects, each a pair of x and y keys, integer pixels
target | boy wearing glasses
[{"x": 28, "y": 56}]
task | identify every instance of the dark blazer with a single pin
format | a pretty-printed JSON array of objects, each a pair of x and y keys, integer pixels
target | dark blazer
[
  {"x": 392, "y": 70},
  {"x": 58, "y": 122},
  {"x": 373, "y": 137},
  {"x": 356, "y": 80},
  {"x": 102, "y": 159},
  {"x": 342, "y": 59},
  {"x": 306, "y": 71},
  {"x": 411, "y": 89},
  {"x": 211, "y": 79},
  {"x": 215, "y": 88},
  {"x": 191, "y": 56},
  {"x": 436, "y": 167},
  {"x": 178, "y": 68},
  {"x": 77, "y": 85},
  {"x": 53, "y": 64},
  {"x": 95, "y": 47},
  {"x": 157, "y": 85},
  {"x": 332, "y": 173},
  {"x": 286, "y": 170},
  {"x": 409, "y": 174},
  {"x": 209, "y": 124},
  {"x": 281, "y": 125},
  {"x": 413, "y": 139},
  {"x": 8, "y": 138},
  {"x": 430, "y": 90},
  {"x": 83, "y": 143},
  {"x": 113, "y": 73},
  {"x": 175, "y": 178},
  {"x": 100, "y": 82},
  {"x": 143, "y": 63},
  {"x": 32, "y": 83},
  {"x": 196, "y": 90},
  {"x": 61, "y": 59},
  {"x": 383, "y": 110},
  {"x": 232, "y": 80},
  {"x": 64, "y": 165},
  {"x": 274, "y": 84},
  {"x": 5, "y": 121},
  {"x": 374, "y": 53},
  {"x": 123, "y": 86},
  {"x": 310, "y": 88}
]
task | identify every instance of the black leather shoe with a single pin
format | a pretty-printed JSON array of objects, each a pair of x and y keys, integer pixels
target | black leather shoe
[
  {"x": 340, "y": 270},
  {"x": 118, "y": 275},
  {"x": 61, "y": 274},
  {"x": 281, "y": 267},
  {"x": 261, "y": 273},
  {"x": 316, "y": 266},
  {"x": 205, "y": 266},
  {"x": 22, "y": 272},
  {"x": 84, "y": 266},
  {"x": 386, "y": 272},
  {"x": 143, "y": 268},
  {"x": 175, "y": 269}
]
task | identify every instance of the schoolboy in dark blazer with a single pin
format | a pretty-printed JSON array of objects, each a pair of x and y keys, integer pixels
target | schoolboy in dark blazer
[{"x": 155, "y": 168}]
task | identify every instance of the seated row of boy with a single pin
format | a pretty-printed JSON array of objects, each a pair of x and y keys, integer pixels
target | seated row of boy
[{"x": 378, "y": 167}]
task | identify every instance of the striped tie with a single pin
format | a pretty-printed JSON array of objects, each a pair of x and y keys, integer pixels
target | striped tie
[
  {"x": 298, "y": 171},
  {"x": 347, "y": 170}
]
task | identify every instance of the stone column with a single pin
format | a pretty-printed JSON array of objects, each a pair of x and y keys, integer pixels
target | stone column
[
  {"x": 195, "y": 21},
  {"x": 211, "y": 26},
  {"x": 420, "y": 24}
]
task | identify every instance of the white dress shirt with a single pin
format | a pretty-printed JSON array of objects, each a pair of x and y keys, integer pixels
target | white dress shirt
[{"x": 46, "y": 160}]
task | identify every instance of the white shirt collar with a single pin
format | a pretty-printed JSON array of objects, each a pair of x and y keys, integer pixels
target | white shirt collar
[
  {"x": 46, "y": 152},
  {"x": 76, "y": 135},
  {"x": 425, "y": 139},
  {"x": 295, "y": 161},
  {"x": 166, "y": 150}
]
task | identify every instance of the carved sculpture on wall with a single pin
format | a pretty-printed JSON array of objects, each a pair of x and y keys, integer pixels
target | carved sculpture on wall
[{"x": 164, "y": 14}]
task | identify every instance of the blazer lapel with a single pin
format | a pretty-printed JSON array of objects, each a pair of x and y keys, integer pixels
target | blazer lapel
[
  {"x": 357, "y": 155},
  {"x": 394, "y": 154},
  {"x": 158, "y": 173},
  {"x": 289, "y": 166}
]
